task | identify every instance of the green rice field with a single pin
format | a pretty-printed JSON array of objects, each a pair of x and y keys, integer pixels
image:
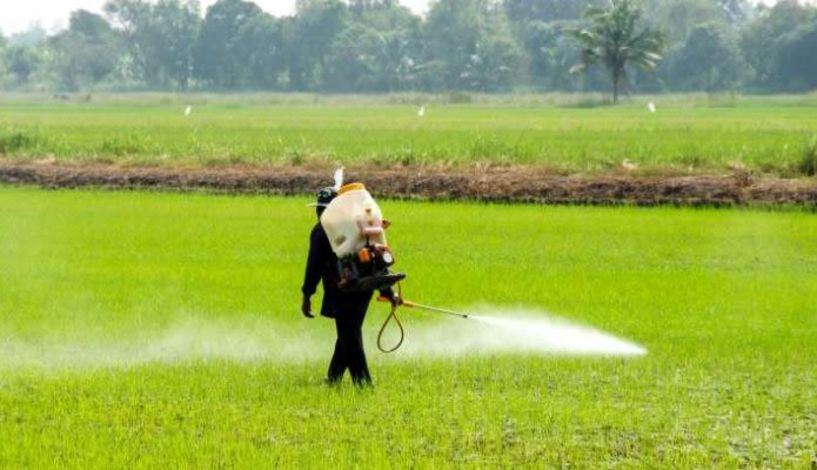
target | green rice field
[
  {"x": 144, "y": 330},
  {"x": 566, "y": 133}
]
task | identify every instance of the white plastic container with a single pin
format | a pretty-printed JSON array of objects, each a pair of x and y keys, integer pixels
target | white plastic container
[{"x": 352, "y": 219}]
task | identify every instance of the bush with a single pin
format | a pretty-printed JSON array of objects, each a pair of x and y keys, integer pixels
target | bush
[
  {"x": 124, "y": 145},
  {"x": 12, "y": 141},
  {"x": 808, "y": 160}
]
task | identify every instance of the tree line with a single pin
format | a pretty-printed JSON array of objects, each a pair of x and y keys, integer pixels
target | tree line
[{"x": 459, "y": 45}]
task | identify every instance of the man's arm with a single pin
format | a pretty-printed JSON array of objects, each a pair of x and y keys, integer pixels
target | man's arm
[{"x": 312, "y": 276}]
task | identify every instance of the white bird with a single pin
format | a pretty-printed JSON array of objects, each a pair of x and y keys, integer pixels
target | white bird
[
  {"x": 651, "y": 106},
  {"x": 422, "y": 111},
  {"x": 188, "y": 110},
  {"x": 338, "y": 178}
]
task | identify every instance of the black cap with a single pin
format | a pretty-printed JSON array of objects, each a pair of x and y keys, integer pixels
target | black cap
[{"x": 325, "y": 196}]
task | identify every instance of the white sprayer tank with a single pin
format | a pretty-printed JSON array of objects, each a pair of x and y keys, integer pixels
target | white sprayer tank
[{"x": 352, "y": 219}]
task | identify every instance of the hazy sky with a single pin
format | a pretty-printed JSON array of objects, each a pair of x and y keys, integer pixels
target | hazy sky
[{"x": 17, "y": 15}]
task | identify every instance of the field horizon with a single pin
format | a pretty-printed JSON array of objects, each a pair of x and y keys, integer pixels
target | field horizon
[{"x": 566, "y": 134}]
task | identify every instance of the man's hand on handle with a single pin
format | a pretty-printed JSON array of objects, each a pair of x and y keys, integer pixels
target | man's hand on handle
[
  {"x": 306, "y": 307},
  {"x": 395, "y": 300}
]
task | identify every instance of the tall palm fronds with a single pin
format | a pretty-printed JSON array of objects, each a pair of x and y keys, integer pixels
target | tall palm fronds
[{"x": 614, "y": 40}]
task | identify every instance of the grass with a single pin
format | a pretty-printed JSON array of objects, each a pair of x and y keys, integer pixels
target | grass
[
  {"x": 688, "y": 134},
  {"x": 722, "y": 299},
  {"x": 808, "y": 163}
]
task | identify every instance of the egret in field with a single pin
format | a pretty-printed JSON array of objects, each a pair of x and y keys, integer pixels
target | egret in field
[
  {"x": 188, "y": 110},
  {"x": 651, "y": 107},
  {"x": 422, "y": 111}
]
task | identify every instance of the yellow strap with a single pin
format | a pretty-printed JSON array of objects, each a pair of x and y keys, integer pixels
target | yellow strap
[
  {"x": 392, "y": 314},
  {"x": 351, "y": 187}
]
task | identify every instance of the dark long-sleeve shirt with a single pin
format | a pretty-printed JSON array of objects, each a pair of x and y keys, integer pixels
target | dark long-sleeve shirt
[{"x": 321, "y": 265}]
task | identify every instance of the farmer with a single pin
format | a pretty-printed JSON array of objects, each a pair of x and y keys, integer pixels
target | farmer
[{"x": 347, "y": 308}]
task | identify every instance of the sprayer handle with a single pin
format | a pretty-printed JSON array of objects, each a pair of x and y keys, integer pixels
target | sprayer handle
[{"x": 403, "y": 302}]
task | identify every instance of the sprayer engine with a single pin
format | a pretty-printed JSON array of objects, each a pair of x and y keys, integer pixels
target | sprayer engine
[{"x": 367, "y": 270}]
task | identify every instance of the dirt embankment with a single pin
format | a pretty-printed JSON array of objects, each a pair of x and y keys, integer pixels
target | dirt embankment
[{"x": 517, "y": 184}]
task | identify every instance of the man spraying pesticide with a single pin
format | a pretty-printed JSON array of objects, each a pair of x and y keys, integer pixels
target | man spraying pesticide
[{"x": 348, "y": 252}]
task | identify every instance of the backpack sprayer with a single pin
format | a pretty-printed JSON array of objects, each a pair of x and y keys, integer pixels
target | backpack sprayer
[
  {"x": 357, "y": 233},
  {"x": 356, "y": 230}
]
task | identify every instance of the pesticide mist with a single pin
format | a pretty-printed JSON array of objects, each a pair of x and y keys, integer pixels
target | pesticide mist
[
  {"x": 258, "y": 339},
  {"x": 189, "y": 338},
  {"x": 495, "y": 331}
]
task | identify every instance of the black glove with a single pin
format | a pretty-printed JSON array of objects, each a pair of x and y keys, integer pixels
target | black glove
[
  {"x": 395, "y": 300},
  {"x": 306, "y": 307}
]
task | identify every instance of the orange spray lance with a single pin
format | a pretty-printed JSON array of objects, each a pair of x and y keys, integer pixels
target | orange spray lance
[{"x": 393, "y": 316}]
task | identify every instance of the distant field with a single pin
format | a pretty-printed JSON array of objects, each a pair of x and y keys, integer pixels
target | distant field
[
  {"x": 575, "y": 134},
  {"x": 146, "y": 328}
]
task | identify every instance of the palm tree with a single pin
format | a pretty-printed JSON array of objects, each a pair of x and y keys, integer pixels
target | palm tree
[{"x": 614, "y": 40}]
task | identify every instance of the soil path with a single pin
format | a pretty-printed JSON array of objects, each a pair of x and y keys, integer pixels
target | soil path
[{"x": 515, "y": 184}]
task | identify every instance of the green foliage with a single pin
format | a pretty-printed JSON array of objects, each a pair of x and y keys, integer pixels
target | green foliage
[
  {"x": 546, "y": 11},
  {"x": 380, "y": 46},
  {"x": 737, "y": 11},
  {"x": 168, "y": 40},
  {"x": 615, "y": 39},
  {"x": 12, "y": 141},
  {"x": 21, "y": 62},
  {"x": 216, "y": 58},
  {"x": 808, "y": 161},
  {"x": 159, "y": 37},
  {"x": 678, "y": 18},
  {"x": 32, "y": 37},
  {"x": 124, "y": 145},
  {"x": 378, "y": 50},
  {"x": 89, "y": 24},
  {"x": 469, "y": 43},
  {"x": 149, "y": 329},
  {"x": 548, "y": 51},
  {"x": 309, "y": 42},
  {"x": 760, "y": 39},
  {"x": 263, "y": 65},
  {"x": 795, "y": 58},
  {"x": 86, "y": 53},
  {"x": 710, "y": 59}
]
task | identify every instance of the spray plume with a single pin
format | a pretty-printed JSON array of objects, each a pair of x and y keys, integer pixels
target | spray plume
[
  {"x": 255, "y": 339},
  {"x": 503, "y": 331}
]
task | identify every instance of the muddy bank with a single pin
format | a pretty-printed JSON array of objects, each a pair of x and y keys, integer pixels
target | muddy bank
[{"x": 516, "y": 184}]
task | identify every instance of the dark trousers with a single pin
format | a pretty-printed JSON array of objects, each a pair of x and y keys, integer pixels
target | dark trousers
[{"x": 349, "y": 352}]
